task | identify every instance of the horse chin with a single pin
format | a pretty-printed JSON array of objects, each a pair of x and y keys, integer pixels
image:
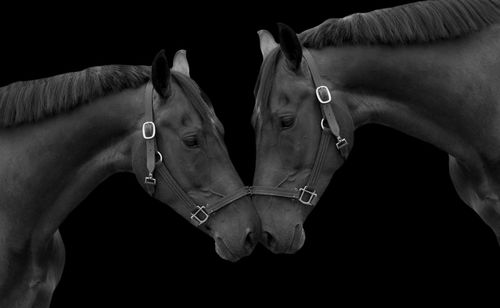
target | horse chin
[
  {"x": 224, "y": 252},
  {"x": 291, "y": 246},
  {"x": 298, "y": 241}
]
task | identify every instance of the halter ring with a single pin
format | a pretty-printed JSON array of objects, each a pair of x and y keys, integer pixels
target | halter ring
[
  {"x": 323, "y": 126},
  {"x": 160, "y": 158}
]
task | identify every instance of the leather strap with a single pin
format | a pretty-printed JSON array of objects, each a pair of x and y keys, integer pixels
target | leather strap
[
  {"x": 320, "y": 159},
  {"x": 307, "y": 194},
  {"x": 197, "y": 214},
  {"x": 275, "y": 192},
  {"x": 149, "y": 130},
  {"x": 326, "y": 107},
  {"x": 175, "y": 188},
  {"x": 222, "y": 202}
]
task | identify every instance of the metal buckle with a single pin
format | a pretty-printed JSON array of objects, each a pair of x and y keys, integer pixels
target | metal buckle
[
  {"x": 153, "y": 130},
  {"x": 341, "y": 142},
  {"x": 194, "y": 215},
  {"x": 150, "y": 180},
  {"x": 323, "y": 94},
  {"x": 310, "y": 194}
]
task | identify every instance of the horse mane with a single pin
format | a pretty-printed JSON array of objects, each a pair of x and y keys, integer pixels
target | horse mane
[
  {"x": 419, "y": 22},
  {"x": 30, "y": 101}
]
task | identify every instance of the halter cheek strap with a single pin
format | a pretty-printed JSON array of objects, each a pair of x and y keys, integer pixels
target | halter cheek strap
[
  {"x": 149, "y": 134},
  {"x": 198, "y": 214},
  {"x": 307, "y": 195},
  {"x": 326, "y": 103}
]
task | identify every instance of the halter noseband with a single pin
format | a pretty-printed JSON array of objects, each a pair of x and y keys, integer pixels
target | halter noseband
[
  {"x": 199, "y": 214},
  {"x": 307, "y": 195}
]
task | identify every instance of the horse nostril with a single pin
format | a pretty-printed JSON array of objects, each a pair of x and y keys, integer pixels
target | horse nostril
[
  {"x": 269, "y": 240},
  {"x": 250, "y": 241}
]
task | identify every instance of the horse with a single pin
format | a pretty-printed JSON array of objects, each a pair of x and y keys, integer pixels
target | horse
[
  {"x": 428, "y": 69},
  {"x": 61, "y": 136}
]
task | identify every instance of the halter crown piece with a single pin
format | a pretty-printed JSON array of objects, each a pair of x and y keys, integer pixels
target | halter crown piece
[
  {"x": 198, "y": 214},
  {"x": 307, "y": 195}
]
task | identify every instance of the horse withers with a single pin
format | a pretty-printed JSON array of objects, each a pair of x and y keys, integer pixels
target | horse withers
[
  {"x": 62, "y": 136},
  {"x": 428, "y": 69}
]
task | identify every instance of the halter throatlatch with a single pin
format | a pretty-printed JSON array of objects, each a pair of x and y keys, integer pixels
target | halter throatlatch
[
  {"x": 307, "y": 195},
  {"x": 198, "y": 214}
]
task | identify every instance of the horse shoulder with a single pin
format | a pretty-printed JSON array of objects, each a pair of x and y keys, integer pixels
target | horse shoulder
[{"x": 30, "y": 275}]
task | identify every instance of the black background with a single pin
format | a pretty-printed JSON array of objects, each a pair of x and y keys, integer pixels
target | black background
[{"x": 391, "y": 222}]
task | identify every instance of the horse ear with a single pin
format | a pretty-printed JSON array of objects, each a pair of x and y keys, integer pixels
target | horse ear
[
  {"x": 267, "y": 42},
  {"x": 181, "y": 64},
  {"x": 160, "y": 74},
  {"x": 290, "y": 45}
]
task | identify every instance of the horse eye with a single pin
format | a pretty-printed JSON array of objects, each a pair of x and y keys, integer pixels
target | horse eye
[
  {"x": 287, "y": 122},
  {"x": 191, "y": 141}
]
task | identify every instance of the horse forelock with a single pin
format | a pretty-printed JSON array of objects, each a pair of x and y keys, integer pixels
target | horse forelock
[
  {"x": 264, "y": 84},
  {"x": 199, "y": 100}
]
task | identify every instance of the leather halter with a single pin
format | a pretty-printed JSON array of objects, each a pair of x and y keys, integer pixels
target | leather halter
[
  {"x": 199, "y": 214},
  {"x": 307, "y": 195}
]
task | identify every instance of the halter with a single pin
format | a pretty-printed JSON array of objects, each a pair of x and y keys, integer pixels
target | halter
[
  {"x": 307, "y": 195},
  {"x": 199, "y": 214}
]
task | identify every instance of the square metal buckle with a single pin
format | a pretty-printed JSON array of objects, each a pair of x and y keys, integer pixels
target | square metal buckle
[
  {"x": 307, "y": 193},
  {"x": 341, "y": 142},
  {"x": 150, "y": 180},
  {"x": 151, "y": 127},
  {"x": 323, "y": 94},
  {"x": 195, "y": 217}
]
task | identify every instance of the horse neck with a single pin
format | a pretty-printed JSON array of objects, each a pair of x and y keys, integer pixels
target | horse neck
[
  {"x": 63, "y": 158},
  {"x": 426, "y": 91}
]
